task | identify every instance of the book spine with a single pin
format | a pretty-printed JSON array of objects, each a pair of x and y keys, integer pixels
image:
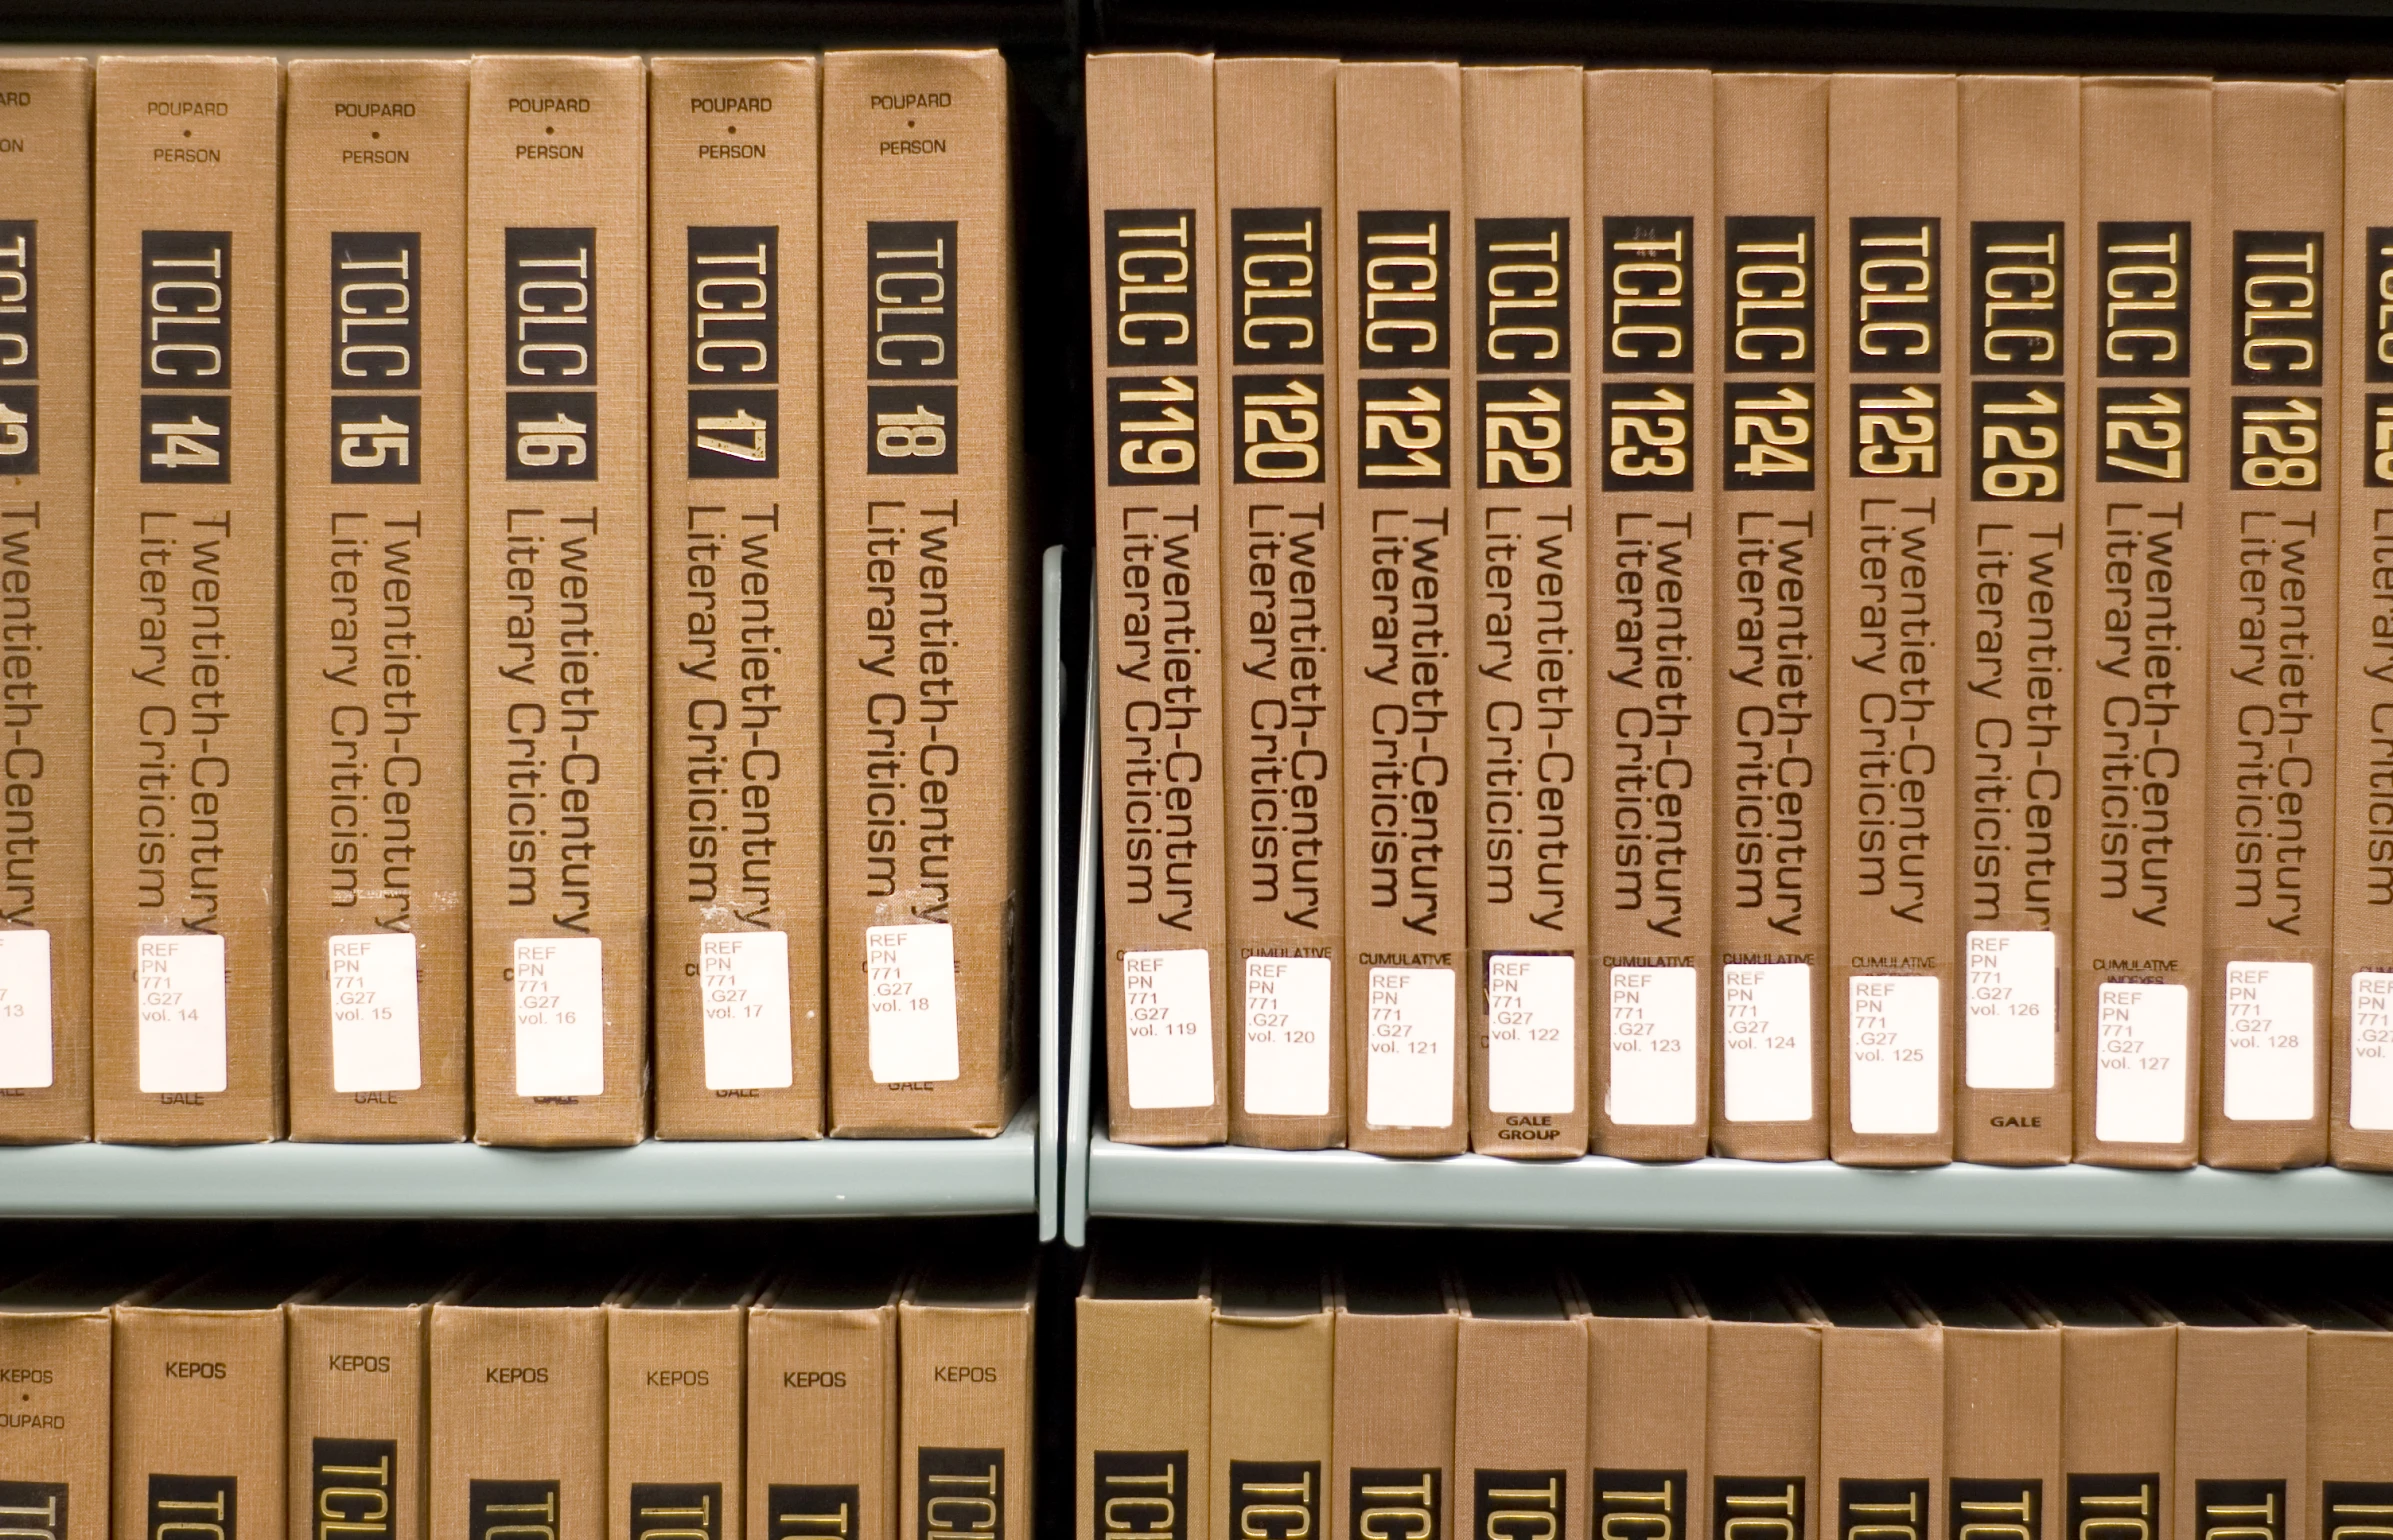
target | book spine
[
  {"x": 1652, "y": 588},
  {"x": 675, "y": 1409},
  {"x": 2142, "y": 643},
  {"x": 45, "y": 553},
  {"x": 198, "y": 1447},
  {"x": 1401, "y": 379},
  {"x": 1894, "y": 207},
  {"x": 186, "y": 709},
  {"x": 822, "y": 1424},
  {"x": 1520, "y": 1417},
  {"x": 1392, "y": 1424},
  {"x": 1158, "y": 582},
  {"x": 2018, "y": 535},
  {"x": 1770, "y": 595},
  {"x": 1276, "y": 172},
  {"x": 926, "y": 577},
  {"x": 557, "y": 347},
  {"x": 1765, "y": 1470},
  {"x": 1882, "y": 1430},
  {"x": 2362, "y": 999},
  {"x": 1272, "y": 1386},
  {"x": 57, "y": 1486},
  {"x": 356, "y": 1409},
  {"x": 2350, "y": 1478},
  {"x": 374, "y": 629},
  {"x": 1648, "y": 1380},
  {"x": 1524, "y": 556},
  {"x": 518, "y": 1413},
  {"x": 735, "y": 607},
  {"x": 2277, "y": 206},
  {"x": 965, "y": 1444},
  {"x": 2242, "y": 1423},
  {"x": 2118, "y": 1429},
  {"x": 1144, "y": 1400},
  {"x": 2002, "y": 1428}
]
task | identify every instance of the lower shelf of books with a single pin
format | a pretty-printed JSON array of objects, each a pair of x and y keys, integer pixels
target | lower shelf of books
[
  {"x": 818, "y": 1178},
  {"x": 1596, "y": 1193}
]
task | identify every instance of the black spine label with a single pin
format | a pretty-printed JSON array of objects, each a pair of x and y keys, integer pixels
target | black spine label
[
  {"x": 194, "y": 1508},
  {"x": 2018, "y": 286},
  {"x": 1523, "y": 301},
  {"x": 2144, "y": 303},
  {"x": 1773, "y": 298},
  {"x": 1982, "y": 1509},
  {"x": 959, "y": 1494},
  {"x": 2018, "y": 440},
  {"x": 2355, "y": 1510},
  {"x": 2108, "y": 1506},
  {"x": 1757, "y": 1507},
  {"x": 2379, "y": 363},
  {"x": 795, "y": 1512},
  {"x": 1279, "y": 427},
  {"x": 1150, "y": 288},
  {"x": 1403, "y": 300},
  {"x": 1897, "y": 296},
  {"x": 1638, "y": 1505},
  {"x": 734, "y": 352},
  {"x": 1139, "y": 1494},
  {"x": 1275, "y": 280},
  {"x": 512, "y": 1510},
  {"x": 1393, "y": 1503},
  {"x": 20, "y": 353},
  {"x": 910, "y": 289},
  {"x": 1881, "y": 1509},
  {"x": 1518, "y": 1504},
  {"x": 1649, "y": 295},
  {"x": 676, "y": 1510},
  {"x": 2280, "y": 321},
  {"x": 376, "y": 344},
  {"x": 356, "y": 1485},
  {"x": 2239, "y": 1510},
  {"x": 1275, "y": 1499},
  {"x": 1402, "y": 438},
  {"x": 33, "y": 1510},
  {"x": 186, "y": 346},
  {"x": 552, "y": 344}
]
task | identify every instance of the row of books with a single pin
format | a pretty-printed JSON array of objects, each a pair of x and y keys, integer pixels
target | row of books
[
  {"x": 829, "y": 1402},
  {"x": 1768, "y": 615},
  {"x": 1253, "y": 1399},
  {"x": 343, "y": 407}
]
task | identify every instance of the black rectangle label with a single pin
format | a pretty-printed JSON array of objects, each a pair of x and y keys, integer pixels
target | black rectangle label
[
  {"x": 2378, "y": 472},
  {"x": 734, "y": 277},
  {"x": 2354, "y": 1510},
  {"x": 959, "y": 1494},
  {"x": 377, "y": 310},
  {"x": 2018, "y": 296},
  {"x": 2018, "y": 440},
  {"x": 1518, "y": 1504},
  {"x": 187, "y": 309},
  {"x": 734, "y": 435},
  {"x": 2379, "y": 363},
  {"x": 1773, "y": 296},
  {"x": 913, "y": 430},
  {"x": 552, "y": 305},
  {"x": 33, "y": 1510},
  {"x": 1757, "y": 1508},
  {"x": 1523, "y": 301},
  {"x": 1275, "y": 1499},
  {"x": 2108, "y": 1506},
  {"x": 2239, "y": 1510},
  {"x": 1981, "y": 1509},
  {"x": 552, "y": 435},
  {"x": 20, "y": 430},
  {"x": 194, "y": 1508},
  {"x": 1151, "y": 430},
  {"x": 1524, "y": 433},
  {"x": 1898, "y": 430},
  {"x": 356, "y": 1488},
  {"x": 1649, "y": 438},
  {"x": 676, "y": 1510},
  {"x": 1275, "y": 286},
  {"x": 187, "y": 440},
  {"x": 910, "y": 299},
  {"x": 1278, "y": 420},
  {"x": 377, "y": 439},
  {"x": 2278, "y": 441},
  {"x": 1150, "y": 288},
  {"x": 1401, "y": 433},
  {"x": 1393, "y": 1503},
  {"x": 2280, "y": 310},
  {"x": 1404, "y": 290},
  {"x": 512, "y": 1510},
  {"x": 795, "y": 1512},
  {"x": 1638, "y": 1505},
  {"x": 2144, "y": 299},
  {"x": 1897, "y": 292},
  {"x": 1894, "y": 1509},
  {"x": 2143, "y": 432},
  {"x": 1769, "y": 437},
  {"x": 20, "y": 301},
  {"x": 1142, "y": 1494},
  {"x": 1648, "y": 307}
]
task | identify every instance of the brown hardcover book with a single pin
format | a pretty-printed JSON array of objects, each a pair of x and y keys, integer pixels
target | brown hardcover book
[
  {"x": 557, "y": 340},
  {"x": 2019, "y": 206},
  {"x": 1273, "y": 1385},
  {"x": 2361, "y": 1134},
  {"x": 1655, "y": 297},
  {"x": 2350, "y": 1478},
  {"x": 518, "y": 1412},
  {"x": 928, "y": 704},
  {"x": 1158, "y": 585},
  {"x": 2002, "y": 1416},
  {"x": 736, "y": 664},
  {"x": 1881, "y": 1414},
  {"x": 1525, "y": 550},
  {"x": 2142, "y": 619},
  {"x": 822, "y": 1407},
  {"x": 45, "y": 544},
  {"x": 1648, "y": 1383},
  {"x": 186, "y": 712},
  {"x": 677, "y": 1354},
  {"x": 374, "y": 635},
  {"x": 2243, "y": 1409},
  {"x": 1276, "y": 183},
  {"x": 1770, "y": 596},
  {"x": 1520, "y": 1399},
  {"x": 1143, "y": 1325},
  {"x": 2276, "y": 211},
  {"x": 1392, "y": 1402},
  {"x": 1894, "y": 645},
  {"x": 55, "y": 1332},
  {"x": 964, "y": 1403},
  {"x": 359, "y": 1448},
  {"x": 1401, "y": 376},
  {"x": 1762, "y": 1433},
  {"x": 199, "y": 1408},
  {"x": 2118, "y": 1415}
]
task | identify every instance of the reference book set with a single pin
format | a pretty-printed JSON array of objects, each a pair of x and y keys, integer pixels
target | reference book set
[
  {"x": 430, "y": 490},
  {"x": 1786, "y": 616}
]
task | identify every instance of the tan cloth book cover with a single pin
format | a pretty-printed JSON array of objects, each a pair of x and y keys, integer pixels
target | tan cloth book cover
[
  {"x": 2277, "y": 210},
  {"x": 186, "y": 709},
  {"x": 2002, "y": 1416},
  {"x": 557, "y": 345},
  {"x": 964, "y": 1402},
  {"x": 2349, "y": 1483},
  {"x": 2017, "y": 862},
  {"x": 1654, "y": 296},
  {"x": 1158, "y": 579},
  {"x": 1401, "y": 374},
  {"x": 2142, "y": 619},
  {"x": 374, "y": 600},
  {"x": 199, "y": 1408},
  {"x": 1893, "y": 638},
  {"x": 45, "y": 605},
  {"x": 2243, "y": 1401},
  {"x": 928, "y": 704},
  {"x": 1520, "y": 1400},
  {"x": 1770, "y": 598},
  {"x": 1143, "y": 1330},
  {"x": 2118, "y": 1412},
  {"x": 359, "y": 1460},
  {"x": 1648, "y": 1394},
  {"x": 56, "y": 1336},
  {"x": 1527, "y": 815},
  {"x": 1762, "y": 1419},
  {"x": 1392, "y": 1401},
  {"x": 1281, "y": 277},
  {"x": 736, "y": 536},
  {"x": 518, "y": 1411},
  {"x": 822, "y": 1406},
  {"x": 677, "y": 1401},
  {"x": 1274, "y": 1362},
  {"x": 1881, "y": 1413}
]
